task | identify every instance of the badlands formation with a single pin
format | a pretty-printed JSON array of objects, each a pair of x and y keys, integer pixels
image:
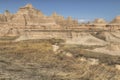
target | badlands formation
[
  {"x": 90, "y": 51},
  {"x": 30, "y": 23}
]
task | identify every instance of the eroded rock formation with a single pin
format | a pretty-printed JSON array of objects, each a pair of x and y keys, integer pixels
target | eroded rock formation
[
  {"x": 30, "y": 23},
  {"x": 28, "y": 18}
]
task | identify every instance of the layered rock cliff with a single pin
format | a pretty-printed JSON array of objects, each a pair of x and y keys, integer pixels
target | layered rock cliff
[{"x": 29, "y": 18}]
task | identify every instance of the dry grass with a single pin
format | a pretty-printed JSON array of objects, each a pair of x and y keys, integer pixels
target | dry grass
[
  {"x": 35, "y": 60},
  {"x": 81, "y": 51}
]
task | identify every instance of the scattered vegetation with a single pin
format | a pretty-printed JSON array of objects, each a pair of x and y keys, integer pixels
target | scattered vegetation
[
  {"x": 8, "y": 38},
  {"x": 35, "y": 60},
  {"x": 81, "y": 51}
]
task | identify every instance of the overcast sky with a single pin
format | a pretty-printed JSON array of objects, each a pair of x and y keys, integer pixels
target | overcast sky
[{"x": 78, "y": 9}]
